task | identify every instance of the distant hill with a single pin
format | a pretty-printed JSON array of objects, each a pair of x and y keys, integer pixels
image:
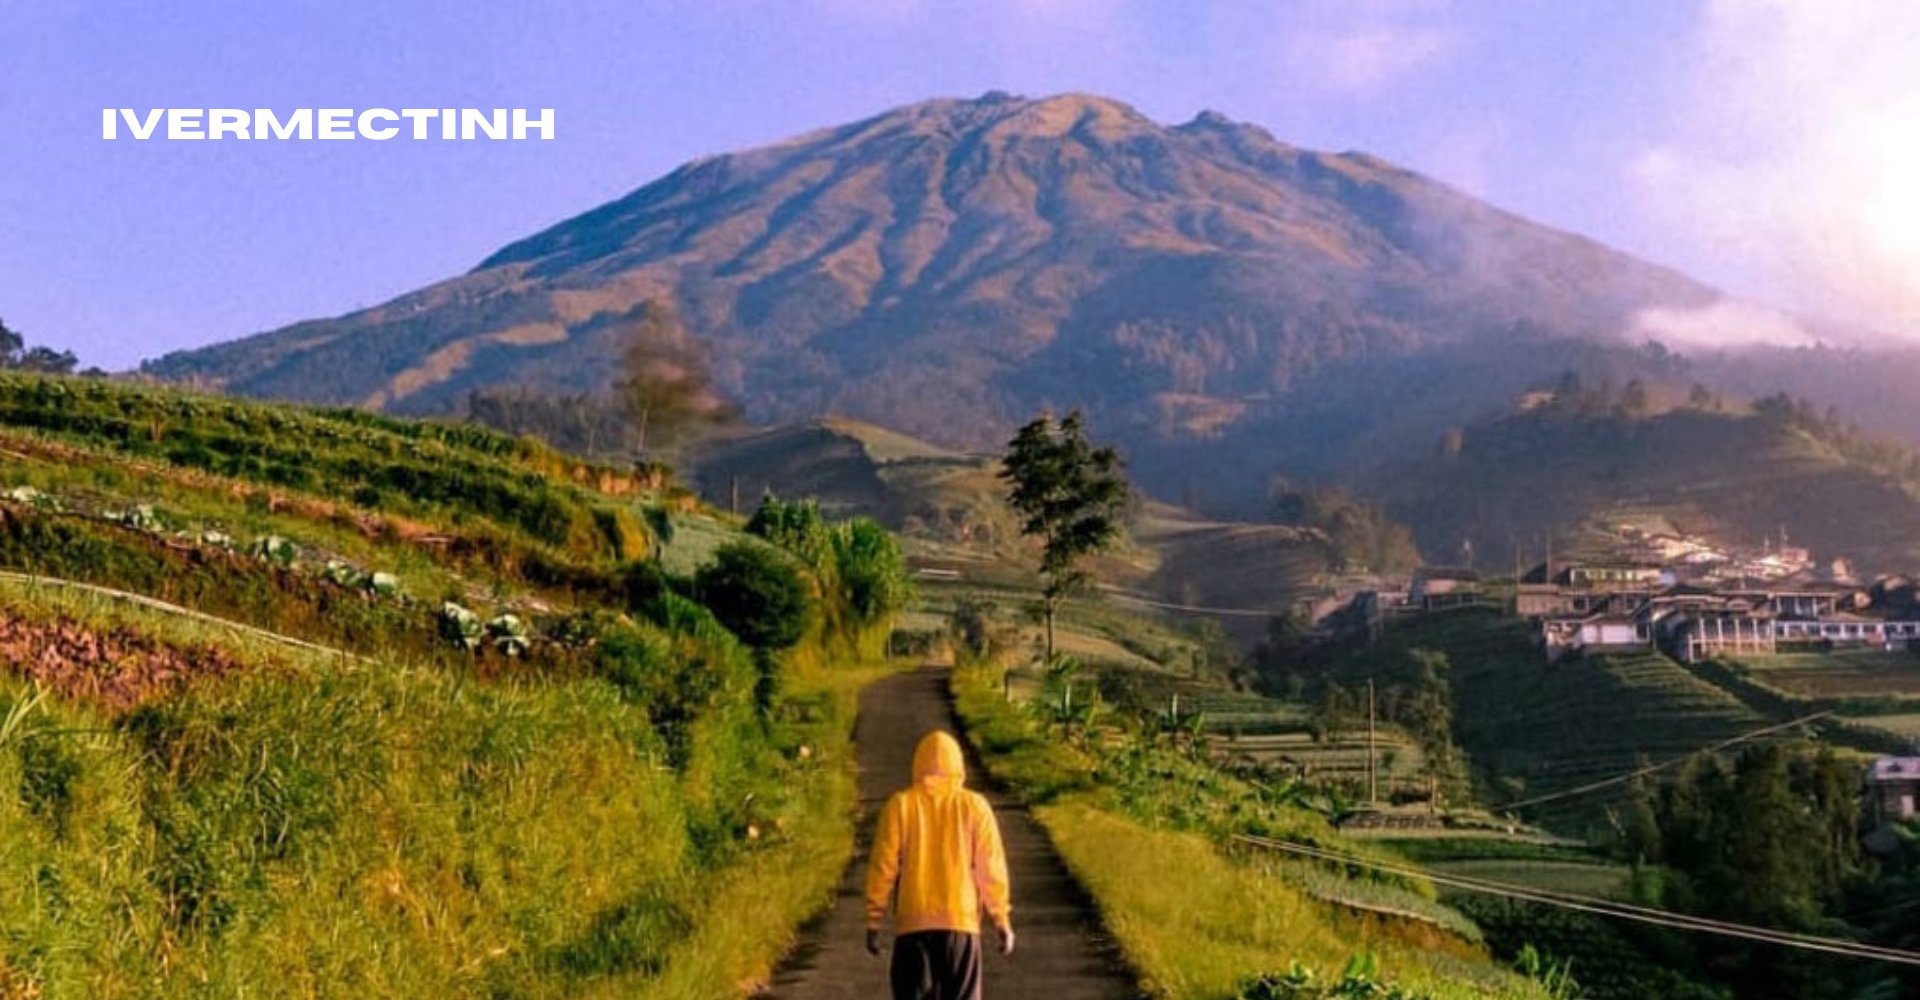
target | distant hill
[
  {"x": 950, "y": 510},
  {"x": 858, "y": 468},
  {"x": 947, "y": 268},
  {"x": 1735, "y": 474}
]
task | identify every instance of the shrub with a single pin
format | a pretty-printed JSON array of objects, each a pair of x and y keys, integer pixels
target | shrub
[
  {"x": 758, "y": 594},
  {"x": 1359, "y": 981},
  {"x": 795, "y": 526},
  {"x": 644, "y": 586},
  {"x": 873, "y": 578}
]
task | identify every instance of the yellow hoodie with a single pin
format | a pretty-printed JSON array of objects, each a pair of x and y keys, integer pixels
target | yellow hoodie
[{"x": 940, "y": 842}]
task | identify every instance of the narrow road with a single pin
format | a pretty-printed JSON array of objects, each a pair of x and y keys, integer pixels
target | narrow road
[{"x": 1062, "y": 954}]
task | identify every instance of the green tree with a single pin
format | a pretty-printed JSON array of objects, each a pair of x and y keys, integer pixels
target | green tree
[
  {"x": 11, "y": 343},
  {"x": 758, "y": 594},
  {"x": 798, "y": 527},
  {"x": 1071, "y": 494},
  {"x": 873, "y": 577},
  {"x": 14, "y": 353}
]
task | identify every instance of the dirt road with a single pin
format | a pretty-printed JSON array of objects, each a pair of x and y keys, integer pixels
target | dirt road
[{"x": 1062, "y": 953}]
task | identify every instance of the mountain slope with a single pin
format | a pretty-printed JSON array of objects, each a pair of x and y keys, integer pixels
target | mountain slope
[
  {"x": 946, "y": 268},
  {"x": 951, "y": 512},
  {"x": 1738, "y": 478}
]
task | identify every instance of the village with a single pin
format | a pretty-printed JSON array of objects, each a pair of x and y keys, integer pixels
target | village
[
  {"x": 1664, "y": 592},
  {"x": 1660, "y": 590}
]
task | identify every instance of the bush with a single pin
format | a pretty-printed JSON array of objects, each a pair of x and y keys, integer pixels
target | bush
[
  {"x": 644, "y": 587},
  {"x": 758, "y": 594},
  {"x": 795, "y": 526},
  {"x": 873, "y": 578}
]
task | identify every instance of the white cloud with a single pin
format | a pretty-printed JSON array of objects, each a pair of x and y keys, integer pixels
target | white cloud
[
  {"x": 1726, "y": 323},
  {"x": 1354, "y": 48},
  {"x": 1796, "y": 155},
  {"x": 1373, "y": 57}
]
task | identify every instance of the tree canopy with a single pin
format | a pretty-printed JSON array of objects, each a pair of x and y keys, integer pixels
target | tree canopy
[
  {"x": 758, "y": 593},
  {"x": 15, "y": 354},
  {"x": 1071, "y": 495}
]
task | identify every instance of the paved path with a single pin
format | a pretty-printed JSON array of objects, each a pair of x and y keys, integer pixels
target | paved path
[{"x": 1062, "y": 955}]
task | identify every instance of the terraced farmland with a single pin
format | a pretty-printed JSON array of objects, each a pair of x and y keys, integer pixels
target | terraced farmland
[
  {"x": 1340, "y": 759},
  {"x": 1573, "y": 877},
  {"x": 1537, "y": 727},
  {"x": 1838, "y": 675},
  {"x": 1905, "y": 726}
]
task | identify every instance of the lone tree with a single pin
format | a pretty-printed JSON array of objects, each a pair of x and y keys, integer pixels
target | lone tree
[
  {"x": 1071, "y": 494},
  {"x": 665, "y": 381}
]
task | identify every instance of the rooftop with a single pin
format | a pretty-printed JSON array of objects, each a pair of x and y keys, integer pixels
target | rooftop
[{"x": 1895, "y": 769}]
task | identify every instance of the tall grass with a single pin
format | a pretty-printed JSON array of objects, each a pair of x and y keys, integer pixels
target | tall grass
[
  {"x": 317, "y": 827},
  {"x": 611, "y": 813},
  {"x": 1198, "y": 924}
]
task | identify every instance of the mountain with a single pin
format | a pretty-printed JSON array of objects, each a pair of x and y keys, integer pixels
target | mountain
[{"x": 947, "y": 268}]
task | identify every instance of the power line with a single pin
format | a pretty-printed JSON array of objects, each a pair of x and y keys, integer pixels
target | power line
[
  {"x": 1675, "y": 762},
  {"x": 1603, "y": 907},
  {"x": 1194, "y": 608}
]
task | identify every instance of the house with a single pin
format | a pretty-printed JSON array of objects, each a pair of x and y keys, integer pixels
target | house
[
  {"x": 1541, "y": 600},
  {"x": 1585, "y": 589},
  {"x": 1893, "y": 788},
  {"x": 1614, "y": 576},
  {"x": 1692, "y": 623},
  {"x": 1692, "y": 636},
  {"x": 1436, "y": 587},
  {"x": 1600, "y": 633}
]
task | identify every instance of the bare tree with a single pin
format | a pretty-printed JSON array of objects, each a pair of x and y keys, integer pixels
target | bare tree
[{"x": 666, "y": 383}]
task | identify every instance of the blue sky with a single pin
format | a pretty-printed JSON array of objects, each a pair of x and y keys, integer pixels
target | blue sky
[{"x": 1766, "y": 146}]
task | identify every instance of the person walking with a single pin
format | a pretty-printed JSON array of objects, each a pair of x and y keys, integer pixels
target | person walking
[{"x": 938, "y": 844}]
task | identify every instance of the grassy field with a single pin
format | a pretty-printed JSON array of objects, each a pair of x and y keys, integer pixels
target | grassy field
[
  {"x": 1841, "y": 674},
  {"x": 1576, "y": 878},
  {"x": 355, "y": 830},
  {"x": 1905, "y": 726},
  {"x": 582, "y": 796}
]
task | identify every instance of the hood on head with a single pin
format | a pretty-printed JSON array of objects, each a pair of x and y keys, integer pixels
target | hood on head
[{"x": 938, "y": 757}]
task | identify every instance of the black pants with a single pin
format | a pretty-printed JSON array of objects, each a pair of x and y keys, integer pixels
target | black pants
[{"x": 936, "y": 965}]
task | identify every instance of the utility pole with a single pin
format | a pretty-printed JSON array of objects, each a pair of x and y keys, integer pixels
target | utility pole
[
  {"x": 1373, "y": 774},
  {"x": 733, "y": 496}
]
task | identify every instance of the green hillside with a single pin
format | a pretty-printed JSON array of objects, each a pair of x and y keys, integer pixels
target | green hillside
[
  {"x": 1533, "y": 728},
  {"x": 1733, "y": 475},
  {"x": 950, "y": 510},
  {"x": 318, "y": 703}
]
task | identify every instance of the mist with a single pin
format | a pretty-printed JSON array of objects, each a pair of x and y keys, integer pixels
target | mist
[{"x": 1793, "y": 160}]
